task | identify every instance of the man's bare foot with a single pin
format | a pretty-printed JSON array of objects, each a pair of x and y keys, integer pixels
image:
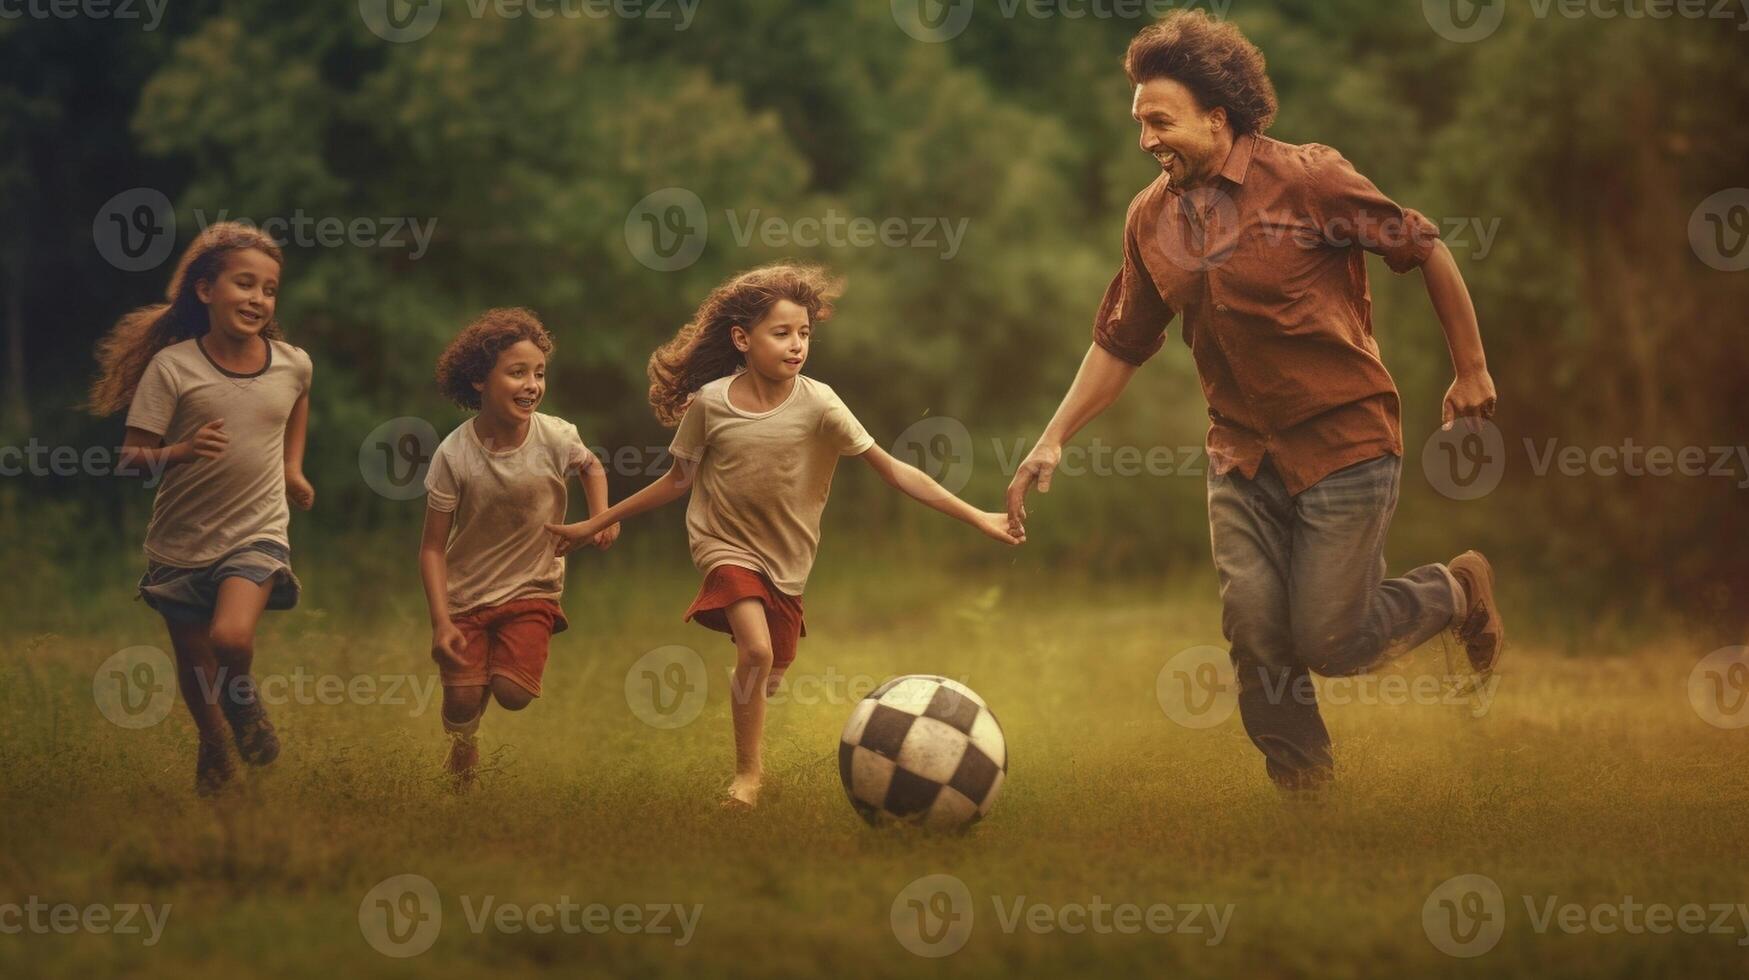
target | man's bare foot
[
  {"x": 464, "y": 758},
  {"x": 742, "y": 794}
]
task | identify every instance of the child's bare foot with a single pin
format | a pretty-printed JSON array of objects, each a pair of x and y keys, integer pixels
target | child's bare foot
[
  {"x": 771, "y": 681},
  {"x": 213, "y": 768},
  {"x": 464, "y": 758},
  {"x": 743, "y": 793}
]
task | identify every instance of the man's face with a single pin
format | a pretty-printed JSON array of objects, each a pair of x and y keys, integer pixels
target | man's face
[{"x": 1189, "y": 142}]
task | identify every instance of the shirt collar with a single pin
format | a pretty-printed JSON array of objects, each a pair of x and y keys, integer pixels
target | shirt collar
[
  {"x": 1237, "y": 166},
  {"x": 1239, "y": 158}
]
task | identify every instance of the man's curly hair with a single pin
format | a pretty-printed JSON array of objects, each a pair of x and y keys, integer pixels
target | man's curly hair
[
  {"x": 1219, "y": 65},
  {"x": 470, "y": 357}
]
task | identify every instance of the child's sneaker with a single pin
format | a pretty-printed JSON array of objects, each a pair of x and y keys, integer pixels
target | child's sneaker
[
  {"x": 464, "y": 759},
  {"x": 256, "y": 741},
  {"x": 213, "y": 768}
]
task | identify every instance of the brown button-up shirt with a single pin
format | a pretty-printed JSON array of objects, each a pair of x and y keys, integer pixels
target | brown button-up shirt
[{"x": 1266, "y": 265}]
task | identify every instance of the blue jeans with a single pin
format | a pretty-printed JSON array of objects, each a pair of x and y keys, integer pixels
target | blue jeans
[{"x": 1303, "y": 590}]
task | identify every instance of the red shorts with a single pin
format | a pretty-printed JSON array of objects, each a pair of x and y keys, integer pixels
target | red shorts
[
  {"x": 507, "y": 640},
  {"x": 728, "y": 584}
]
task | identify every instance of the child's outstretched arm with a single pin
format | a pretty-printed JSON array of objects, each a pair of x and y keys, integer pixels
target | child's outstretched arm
[
  {"x": 918, "y": 485},
  {"x": 297, "y": 489},
  {"x": 594, "y": 478},
  {"x": 665, "y": 489}
]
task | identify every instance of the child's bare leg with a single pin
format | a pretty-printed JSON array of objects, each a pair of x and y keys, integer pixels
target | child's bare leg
[
  {"x": 747, "y": 695},
  {"x": 462, "y": 709},
  {"x": 510, "y": 695},
  {"x": 232, "y": 637},
  {"x": 197, "y": 675}
]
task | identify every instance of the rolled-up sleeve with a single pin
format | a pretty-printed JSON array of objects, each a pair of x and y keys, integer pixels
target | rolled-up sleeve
[
  {"x": 1132, "y": 319},
  {"x": 1352, "y": 211}
]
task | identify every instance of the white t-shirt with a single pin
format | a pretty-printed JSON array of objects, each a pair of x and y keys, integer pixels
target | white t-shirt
[
  {"x": 763, "y": 477},
  {"x": 498, "y": 547},
  {"x": 208, "y": 508}
]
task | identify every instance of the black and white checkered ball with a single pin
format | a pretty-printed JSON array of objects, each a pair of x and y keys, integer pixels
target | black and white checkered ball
[{"x": 923, "y": 749}]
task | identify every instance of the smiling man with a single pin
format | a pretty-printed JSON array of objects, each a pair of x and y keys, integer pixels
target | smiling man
[{"x": 1258, "y": 248}]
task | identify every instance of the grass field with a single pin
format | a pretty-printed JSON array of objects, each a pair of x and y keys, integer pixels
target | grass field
[{"x": 1588, "y": 780}]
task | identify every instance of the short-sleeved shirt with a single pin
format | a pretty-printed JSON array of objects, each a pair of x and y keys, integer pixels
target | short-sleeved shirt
[
  {"x": 1267, "y": 267},
  {"x": 763, "y": 477},
  {"x": 498, "y": 547},
  {"x": 207, "y": 508}
]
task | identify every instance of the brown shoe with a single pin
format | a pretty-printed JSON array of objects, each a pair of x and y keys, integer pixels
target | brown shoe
[
  {"x": 1479, "y": 628},
  {"x": 464, "y": 758}
]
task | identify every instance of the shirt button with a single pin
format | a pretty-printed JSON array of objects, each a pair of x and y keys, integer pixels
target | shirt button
[{"x": 1220, "y": 307}]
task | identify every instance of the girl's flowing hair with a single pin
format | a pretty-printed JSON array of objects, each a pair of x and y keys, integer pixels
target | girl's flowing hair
[
  {"x": 702, "y": 351},
  {"x": 123, "y": 353}
]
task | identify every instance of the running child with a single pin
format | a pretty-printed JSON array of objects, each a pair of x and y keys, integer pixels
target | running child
[
  {"x": 218, "y": 407},
  {"x": 492, "y": 581},
  {"x": 762, "y": 441}
]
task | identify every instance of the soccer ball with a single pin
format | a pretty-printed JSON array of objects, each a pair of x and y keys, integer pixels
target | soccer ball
[{"x": 923, "y": 749}]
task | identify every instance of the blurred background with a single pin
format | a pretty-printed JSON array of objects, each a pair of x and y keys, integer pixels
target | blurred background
[{"x": 428, "y": 161}]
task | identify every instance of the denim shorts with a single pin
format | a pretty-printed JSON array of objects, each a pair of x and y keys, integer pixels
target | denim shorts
[{"x": 189, "y": 595}]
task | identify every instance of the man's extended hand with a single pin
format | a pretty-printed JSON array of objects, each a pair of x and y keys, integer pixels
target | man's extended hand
[
  {"x": 1036, "y": 468},
  {"x": 1470, "y": 397}
]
